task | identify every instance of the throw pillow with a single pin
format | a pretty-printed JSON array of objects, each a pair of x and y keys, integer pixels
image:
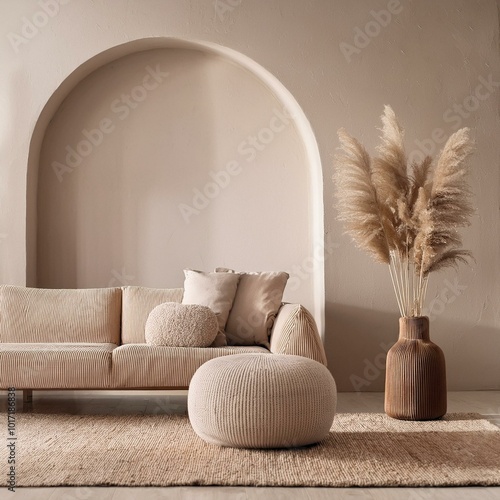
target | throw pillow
[
  {"x": 257, "y": 301},
  {"x": 214, "y": 290},
  {"x": 176, "y": 325}
]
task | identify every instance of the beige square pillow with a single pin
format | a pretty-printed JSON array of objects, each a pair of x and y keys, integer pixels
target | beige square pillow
[
  {"x": 214, "y": 290},
  {"x": 255, "y": 306}
]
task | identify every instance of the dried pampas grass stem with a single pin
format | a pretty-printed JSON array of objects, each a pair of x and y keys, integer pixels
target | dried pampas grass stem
[{"x": 405, "y": 216}]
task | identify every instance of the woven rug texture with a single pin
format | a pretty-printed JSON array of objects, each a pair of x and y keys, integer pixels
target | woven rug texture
[{"x": 366, "y": 449}]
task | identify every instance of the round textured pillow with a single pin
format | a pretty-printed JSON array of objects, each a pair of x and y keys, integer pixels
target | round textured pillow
[{"x": 181, "y": 325}]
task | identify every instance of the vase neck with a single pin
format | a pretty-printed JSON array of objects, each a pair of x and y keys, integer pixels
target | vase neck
[{"x": 416, "y": 328}]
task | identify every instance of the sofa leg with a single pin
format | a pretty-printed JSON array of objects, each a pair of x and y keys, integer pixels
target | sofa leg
[{"x": 27, "y": 396}]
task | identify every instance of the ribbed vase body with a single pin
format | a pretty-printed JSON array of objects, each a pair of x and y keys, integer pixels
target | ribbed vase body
[{"x": 415, "y": 383}]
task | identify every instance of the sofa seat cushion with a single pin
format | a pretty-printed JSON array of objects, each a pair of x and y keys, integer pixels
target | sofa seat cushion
[
  {"x": 55, "y": 366},
  {"x": 142, "y": 365}
]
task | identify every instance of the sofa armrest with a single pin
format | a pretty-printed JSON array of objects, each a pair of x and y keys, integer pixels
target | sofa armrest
[{"x": 295, "y": 332}]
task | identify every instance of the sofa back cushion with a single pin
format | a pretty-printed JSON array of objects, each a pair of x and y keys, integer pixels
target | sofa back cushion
[
  {"x": 138, "y": 302},
  {"x": 33, "y": 315}
]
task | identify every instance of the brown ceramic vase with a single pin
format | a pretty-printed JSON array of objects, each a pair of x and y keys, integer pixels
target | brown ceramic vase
[{"x": 415, "y": 382}]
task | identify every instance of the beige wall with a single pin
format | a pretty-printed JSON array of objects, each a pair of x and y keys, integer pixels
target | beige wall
[
  {"x": 167, "y": 159},
  {"x": 427, "y": 59}
]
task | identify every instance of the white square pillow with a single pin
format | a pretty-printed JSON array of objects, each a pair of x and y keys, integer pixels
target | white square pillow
[
  {"x": 214, "y": 290},
  {"x": 257, "y": 301}
]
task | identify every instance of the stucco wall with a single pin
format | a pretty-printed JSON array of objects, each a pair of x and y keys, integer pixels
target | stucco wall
[
  {"x": 160, "y": 161},
  {"x": 342, "y": 61}
]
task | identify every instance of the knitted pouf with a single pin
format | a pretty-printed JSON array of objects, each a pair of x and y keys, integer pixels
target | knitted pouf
[{"x": 262, "y": 401}]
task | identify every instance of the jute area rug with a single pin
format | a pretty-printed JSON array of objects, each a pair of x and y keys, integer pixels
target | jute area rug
[{"x": 162, "y": 450}]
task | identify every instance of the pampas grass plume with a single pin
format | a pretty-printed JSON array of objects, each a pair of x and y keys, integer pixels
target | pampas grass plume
[{"x": 405, "y": 216}]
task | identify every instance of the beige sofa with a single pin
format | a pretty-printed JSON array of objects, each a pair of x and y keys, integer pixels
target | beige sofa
[{"x": 94, "y": 339}]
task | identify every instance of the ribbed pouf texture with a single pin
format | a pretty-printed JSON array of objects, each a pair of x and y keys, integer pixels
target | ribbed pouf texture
[{"x": 262, "y": 401}]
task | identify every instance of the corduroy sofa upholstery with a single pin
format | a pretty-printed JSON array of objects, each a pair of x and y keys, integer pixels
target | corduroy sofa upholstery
[{"x": 94, "y": 339}]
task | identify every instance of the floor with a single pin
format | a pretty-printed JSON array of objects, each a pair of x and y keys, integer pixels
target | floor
[{"x": 485, "y": 402}]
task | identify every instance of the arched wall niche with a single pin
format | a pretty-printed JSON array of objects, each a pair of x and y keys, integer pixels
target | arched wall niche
[{"x": 109, "y": 220}]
